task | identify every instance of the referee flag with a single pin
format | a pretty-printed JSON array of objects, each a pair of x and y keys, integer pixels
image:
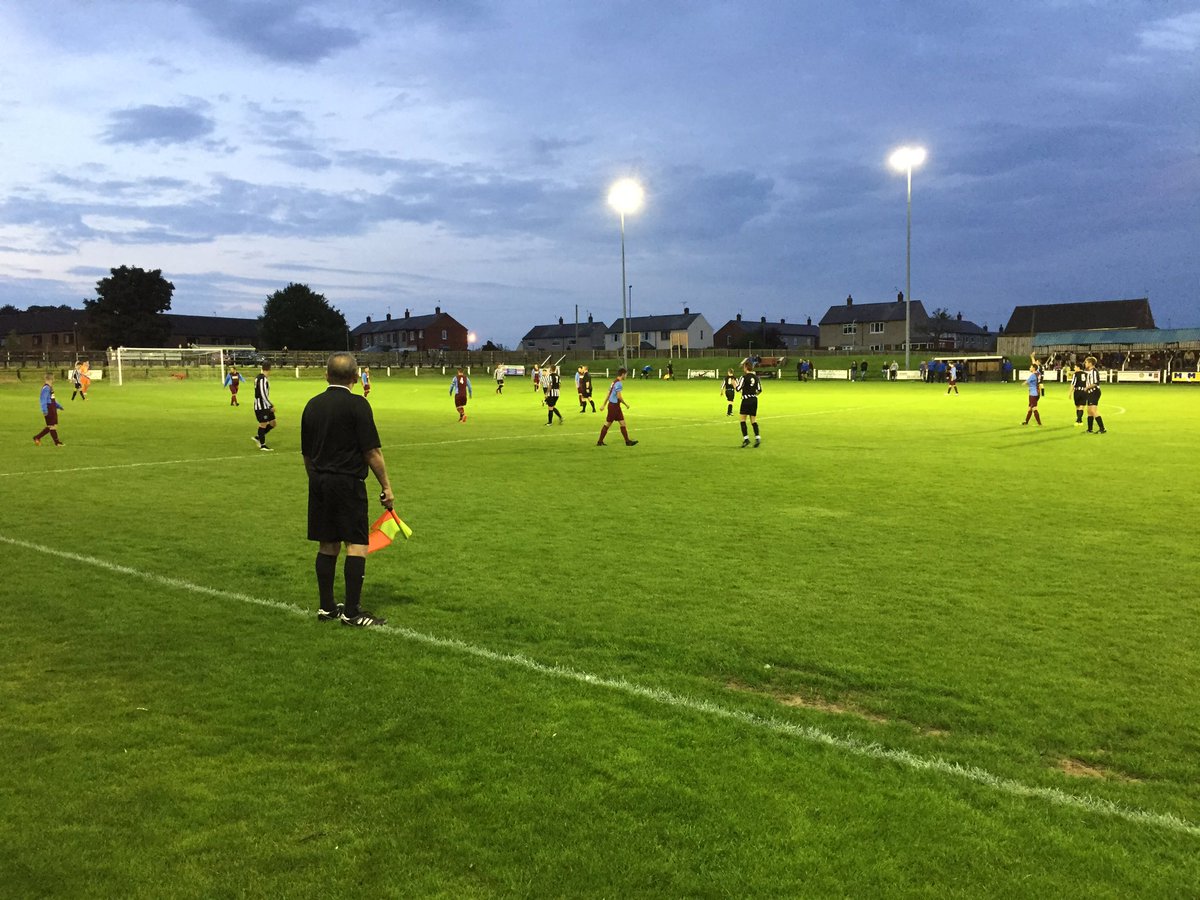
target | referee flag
[{"x": 385, "y": 529}]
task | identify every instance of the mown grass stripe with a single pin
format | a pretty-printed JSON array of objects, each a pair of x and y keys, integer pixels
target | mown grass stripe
[{"x": 807, "y": 733}]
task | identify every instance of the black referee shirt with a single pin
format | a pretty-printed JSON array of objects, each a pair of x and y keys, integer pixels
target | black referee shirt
[{"x": 336, "y": 429}]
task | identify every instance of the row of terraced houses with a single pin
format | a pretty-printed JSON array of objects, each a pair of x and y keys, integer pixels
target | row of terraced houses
[{"x": 847, "y": 326}]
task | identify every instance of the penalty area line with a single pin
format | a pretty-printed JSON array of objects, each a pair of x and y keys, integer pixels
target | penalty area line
[{"x": 805, "y": 733}]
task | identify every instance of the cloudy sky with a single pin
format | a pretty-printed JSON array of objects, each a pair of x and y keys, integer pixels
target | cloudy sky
[{"x": 399, "y": 154}]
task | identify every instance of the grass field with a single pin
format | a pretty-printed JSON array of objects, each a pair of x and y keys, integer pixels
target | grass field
[{"x": 908, "y": 647}]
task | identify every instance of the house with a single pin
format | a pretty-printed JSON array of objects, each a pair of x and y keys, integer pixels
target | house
[
  {"x": 1089, "y": 315},
  {"x": 958, "y": 334},
  {"x": 873, "y": 326},
  {"x": 440, "y": 331},
  {"x": 222, "y": 331},
  {"x": 565, "y": 337},
  {"x": 687, "y": 331},
  {"x": 739, "y": 334},
  {"x": 43, "y": 328}
]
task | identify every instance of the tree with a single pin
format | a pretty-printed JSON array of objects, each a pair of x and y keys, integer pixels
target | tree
[
  {"x": 301, "y": 319},
  {"x": 492, "y": 347},
  {"x": 8, "y": 309},
  {"x": 128, "y": 309},
  {"x": 939, "y": 322}
]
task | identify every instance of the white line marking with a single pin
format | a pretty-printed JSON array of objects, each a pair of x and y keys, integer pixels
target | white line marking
[
  {"x": 165, "y": 462},
  {"x": 807, "y": 733}
]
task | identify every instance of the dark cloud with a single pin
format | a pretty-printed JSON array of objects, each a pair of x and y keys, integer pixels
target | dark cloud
[
  {"x": 279, "y": 30},
  {"x": 158, "y": 125}
]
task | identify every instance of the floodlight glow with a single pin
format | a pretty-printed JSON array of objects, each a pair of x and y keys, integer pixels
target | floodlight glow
[
  {"x": 470, "y": 337},
  {"x": 626, "y": 196},
  {"x": 905, "y": 158}
]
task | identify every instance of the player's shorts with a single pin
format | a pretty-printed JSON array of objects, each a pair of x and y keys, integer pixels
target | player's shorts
[
  {"x": 953, "y": 382},
  {"x": 233, "y": 388},
  {"x": 749, "y": 406},
  {"x": 337, "y": 508},
  {"x": 1093, "y": 398},
  {"x": 265, "y": 415},
  {"x": 460, "y": 399},
  {"x": 729, "y": 395},
  {"x": 614, "y": 413},
  {"x": 586, "y": 393},
  {"x": 551, "y": 400},
  {"x": 1080, "y": 398},
  {"x": 1033, "y": 399},
  {"x": 52, "y": 416}
]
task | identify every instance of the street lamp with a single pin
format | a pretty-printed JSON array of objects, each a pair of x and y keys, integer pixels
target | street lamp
[
  {"x": 905, "y": 159},
  {"x": 625, "y": 196}
]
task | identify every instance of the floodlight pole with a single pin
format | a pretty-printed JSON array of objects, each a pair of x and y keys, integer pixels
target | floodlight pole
[
  {"x": 908, "y": 276},
  {"x": 624, "y": 301}
]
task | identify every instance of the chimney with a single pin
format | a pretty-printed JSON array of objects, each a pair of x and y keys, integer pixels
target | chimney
[
  {"x": 783, "y": 321},
  {"x": 368, "y": 320},
  {"x": 686, "y": 311},
  {"x": 589, "y": 318},
  {"x": 437, "y": 310},
  {"x": 985, "y": 327},
  {"x": 960, "y": 317},
  {"x": 389, "y": 317},
  {"x": 849, "y": 300},
  {"x": 763, "y": 320},
  {"x": 809, "y": 320},
  {"x": 900, "y": 297},
  {"x": 739, "y": 317},
  {"x": 560, "y": 321},
  {"x": 406, "y": 314}
]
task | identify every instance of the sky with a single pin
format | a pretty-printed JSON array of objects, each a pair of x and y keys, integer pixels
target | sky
[{"x": 407, "y": 154}]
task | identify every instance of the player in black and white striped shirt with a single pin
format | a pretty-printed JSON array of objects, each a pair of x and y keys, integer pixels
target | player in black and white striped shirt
[
  {"x": 750, "y": 386},
  {"x": 1091, "y": 389},
  {"x": 264, "y": 409},
  {"x": 552, "y": 385}
]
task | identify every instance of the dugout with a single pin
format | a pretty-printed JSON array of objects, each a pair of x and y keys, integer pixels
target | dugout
[{"x": 975, "y": 368}]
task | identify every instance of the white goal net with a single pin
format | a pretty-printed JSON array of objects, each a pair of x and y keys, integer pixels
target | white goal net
[{"x": 188, "y": 361}]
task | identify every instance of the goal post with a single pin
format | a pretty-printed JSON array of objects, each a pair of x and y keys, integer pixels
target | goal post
[{"x": 183, "y": 357}]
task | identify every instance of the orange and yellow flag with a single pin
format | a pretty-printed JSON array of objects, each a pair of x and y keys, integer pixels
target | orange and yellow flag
[{"x": 385, "y": 529}]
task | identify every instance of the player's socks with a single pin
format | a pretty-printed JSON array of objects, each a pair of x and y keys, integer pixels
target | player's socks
[
  {"x": 37, "y": 438},
  {"x": 1100, "y": 423},
  {"x": 625, "y": 434},
  {"x": 1037, "y": 415},
  {"x": 54, "y": 434},
  {"x": 550, "y": 417},
  {"x": 326, "y": 568},
  {"x": 593, "y": 402},
  {"x": 354, "y": 571},
  {"x": 73, "y": 393},
  {"x": 755, "y": 426},
  {"x": 1079, "y": 416},
  {"x": 744, "y": 434},
  {"x": 1091, "y": 419}
]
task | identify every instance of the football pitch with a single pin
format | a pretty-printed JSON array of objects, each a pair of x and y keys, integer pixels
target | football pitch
[{"x": 907, "y": 647}]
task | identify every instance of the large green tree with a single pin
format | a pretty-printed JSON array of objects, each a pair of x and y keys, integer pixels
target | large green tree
[
  {"x": 128, "y": 309},
  {"x": 298, "y": 318}
]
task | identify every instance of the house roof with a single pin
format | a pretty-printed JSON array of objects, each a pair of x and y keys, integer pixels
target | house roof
[
  {"x": 562, "y": 331},
  {"x": 679, "y": 322},
  {"x": 405, "y": 323},
  {"x": 746, "y": 326},
  {"x": 954, "y": 325},
  {"x": 40, "y": 321},
  {"x": 225, "y": 326},
  {"x": 1083, "y": 316},
  {"x": 891, "y": 311}
]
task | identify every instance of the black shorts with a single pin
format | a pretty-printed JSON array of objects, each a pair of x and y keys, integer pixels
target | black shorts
[
  {"x": 337, "y": 509},
  {"x": 1080, "y": 398},
  {"x": 749, "y": 406},
  {"x": 1093, "y": 397},
  {"x": 551, "y": 400},
  {"x": 729, "y": 396},
  {"x": 265, "y": 415}
]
